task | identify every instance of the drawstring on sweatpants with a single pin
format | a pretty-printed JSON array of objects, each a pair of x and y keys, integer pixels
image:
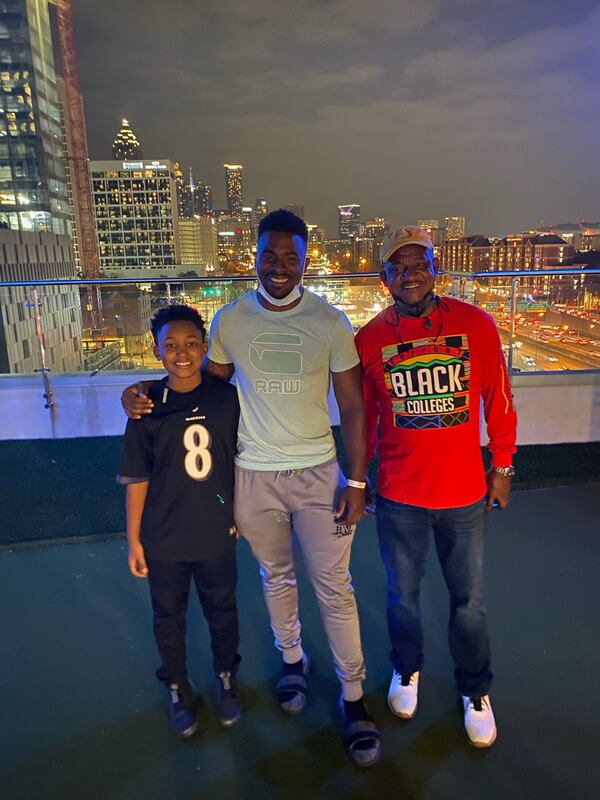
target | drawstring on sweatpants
[{"x": 287, "y": 473}]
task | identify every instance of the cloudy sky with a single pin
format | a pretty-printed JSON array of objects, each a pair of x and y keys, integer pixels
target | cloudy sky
[{"x": 412, "y": 108}]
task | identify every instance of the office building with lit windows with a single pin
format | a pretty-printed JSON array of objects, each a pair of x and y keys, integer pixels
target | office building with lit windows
[
  {"x": 520, "y": 252},
  {"x": 203, "y": 203},
  {"x": 184, "y": 195},
  {"x": 376, "y": 228},
  {"x": 235, "y": 239},
  {"x": 33, "y": 185},
  {"x": 316, "y": 236},
  {"x": 455, "y": 227},
  {"x": 199, "y": 244},
  {"x": 234, "y": 189},
  {"x": 349, "y": 221},
  {"x": 193, "y": 199},
  {"x": 260, "y": 210},
  {"x": 435, "y": 231},
  {"x": 365, "y": 253},
  {"x": 135, "y": 208}
]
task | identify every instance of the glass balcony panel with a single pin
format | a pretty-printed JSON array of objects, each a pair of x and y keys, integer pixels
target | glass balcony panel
[{"x": 106, "y": 327}]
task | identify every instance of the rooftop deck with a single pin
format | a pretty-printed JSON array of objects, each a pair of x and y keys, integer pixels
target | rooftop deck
[{"x": 84, "y": 717}]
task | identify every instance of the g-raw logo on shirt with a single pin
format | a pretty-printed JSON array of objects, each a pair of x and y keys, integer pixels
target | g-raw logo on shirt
[
  {"x": 428, "y": 381},
  {"x": 276, "y": 355}
]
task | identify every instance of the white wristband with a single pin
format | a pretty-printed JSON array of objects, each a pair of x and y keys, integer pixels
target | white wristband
[{"x": 357, "y": 484}]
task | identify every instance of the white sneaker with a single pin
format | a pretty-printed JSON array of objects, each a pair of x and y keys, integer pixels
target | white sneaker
[
  {"x": 403, "y": 695},
  {"x": 479, "y": 721}
]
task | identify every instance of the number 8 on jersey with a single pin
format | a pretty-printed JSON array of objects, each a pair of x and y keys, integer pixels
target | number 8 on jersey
[{"x": 198, "y": 460}]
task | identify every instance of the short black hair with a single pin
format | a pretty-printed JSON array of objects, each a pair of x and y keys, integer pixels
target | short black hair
[
  {"x": 176, "y": 313},
  {"x": 283, "y": 221}
]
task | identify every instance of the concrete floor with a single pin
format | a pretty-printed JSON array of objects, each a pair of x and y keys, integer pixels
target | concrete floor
[{"x": 83, "y": 717}]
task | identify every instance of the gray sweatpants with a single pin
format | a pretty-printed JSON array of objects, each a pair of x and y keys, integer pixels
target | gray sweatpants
[{"x": 268, "y": 507}]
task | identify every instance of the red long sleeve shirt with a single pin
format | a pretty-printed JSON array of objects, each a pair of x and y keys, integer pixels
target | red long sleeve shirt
[{"x": 424, "y": 380}]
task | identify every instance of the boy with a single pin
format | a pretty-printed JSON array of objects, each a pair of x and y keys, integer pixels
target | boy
[{"x": 177, "y": 464}]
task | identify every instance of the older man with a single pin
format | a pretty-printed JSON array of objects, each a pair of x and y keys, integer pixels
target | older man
[{"x": 428, "y": 361}]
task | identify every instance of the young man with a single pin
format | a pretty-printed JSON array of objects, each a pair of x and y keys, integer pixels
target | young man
[
  {"x": 285, "y": 344},
  {"x": 177, "y": 464},
  {"x": 428, "y": 362}
]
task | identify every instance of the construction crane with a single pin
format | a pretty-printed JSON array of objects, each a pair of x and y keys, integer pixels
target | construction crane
[{"x": 78, "y": 158}]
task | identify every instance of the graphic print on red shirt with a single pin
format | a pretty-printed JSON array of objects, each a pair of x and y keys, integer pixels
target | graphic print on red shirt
[{"x": 428, "y": 381}]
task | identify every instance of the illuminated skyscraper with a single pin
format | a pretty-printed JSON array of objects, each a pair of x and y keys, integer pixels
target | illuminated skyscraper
[
  {"x": 184, "y": 195},
  {"x": 349, "y": 221},
  {"x": 235, "y": 239},
  {"x": 135, "y": 206},
  {"x": 203, "y": 205},
  {"x": 376, "y": 229},
  {"x": 33, "y": 185},
  {"x": 365, "y": 248},
  {"x": 126, "y": 146},
  {"x": 316, "y": 236},
  {"x": 260, "y": 210},
  {"x": 199, "y": 244},
  {"x": 193, "y": 199},
  {"x": 455, "y": 227},
  {"x": 234, "y": 189},
  {"x": 428, "y": 223}
]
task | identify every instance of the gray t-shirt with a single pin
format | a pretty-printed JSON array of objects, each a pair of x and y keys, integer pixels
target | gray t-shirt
[{"x": 283, "y": 361}]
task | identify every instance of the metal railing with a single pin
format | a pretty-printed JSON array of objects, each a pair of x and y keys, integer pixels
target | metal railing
[{"x": 549, "y": 320}]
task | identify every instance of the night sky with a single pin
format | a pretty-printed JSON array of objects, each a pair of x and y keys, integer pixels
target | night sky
[{"x": 487, "y": 108}]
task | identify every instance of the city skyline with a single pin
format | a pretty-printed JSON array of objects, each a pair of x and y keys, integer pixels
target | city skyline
[{"x": 445, "y": 108}]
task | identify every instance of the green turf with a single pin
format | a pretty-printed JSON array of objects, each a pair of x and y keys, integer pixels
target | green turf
[{"x": 54, "y": 486}]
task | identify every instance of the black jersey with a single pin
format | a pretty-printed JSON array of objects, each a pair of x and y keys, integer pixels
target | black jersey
[{"x": 185, "y": 448}]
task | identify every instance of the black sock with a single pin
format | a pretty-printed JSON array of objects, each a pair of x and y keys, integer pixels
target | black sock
[
  {"x": 297, "y": 668},
  {"x": 355, "y": 710}
]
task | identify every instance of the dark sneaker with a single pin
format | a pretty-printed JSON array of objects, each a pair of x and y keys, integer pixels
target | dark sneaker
[
  {"x": 182, "y": 699},
  {"x": 229, "y": 704}
]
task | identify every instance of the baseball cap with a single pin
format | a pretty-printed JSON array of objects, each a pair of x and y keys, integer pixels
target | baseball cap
[{"x": 400, "y": 238}]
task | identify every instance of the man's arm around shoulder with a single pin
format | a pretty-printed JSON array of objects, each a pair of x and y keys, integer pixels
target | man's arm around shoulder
[
  {"x": 222, "y": 371},
  {"x": 135, "y": 400}
]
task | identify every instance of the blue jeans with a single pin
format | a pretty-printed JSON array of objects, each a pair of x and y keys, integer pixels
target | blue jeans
[{"x": 403, "y": 532}]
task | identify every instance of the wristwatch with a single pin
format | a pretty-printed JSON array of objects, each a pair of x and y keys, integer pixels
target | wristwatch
[{"x": 508, "y": 472}]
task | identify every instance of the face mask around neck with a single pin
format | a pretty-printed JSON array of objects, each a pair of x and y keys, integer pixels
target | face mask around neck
[
  {"x": 416, "y": 310},
  {"x": 290, "y": 298}
]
